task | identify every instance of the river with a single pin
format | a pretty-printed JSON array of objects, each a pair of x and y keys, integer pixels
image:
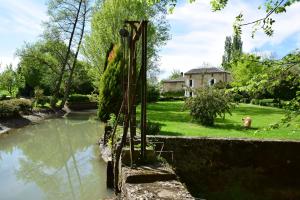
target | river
[{"x": 57, "y": 159}]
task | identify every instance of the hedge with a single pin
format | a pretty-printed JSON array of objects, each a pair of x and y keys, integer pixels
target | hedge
[
  {"x": 78, "y": 98},
  {"x": 179, "y": 93},
  {"x": 270, "y": 102}
]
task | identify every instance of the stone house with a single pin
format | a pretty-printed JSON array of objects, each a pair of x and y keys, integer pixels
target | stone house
[
  {"x": 202, "y": 77},
  {"x": 174, "y": 85}
]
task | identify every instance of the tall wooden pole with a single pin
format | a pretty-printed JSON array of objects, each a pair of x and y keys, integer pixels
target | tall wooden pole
[
  {"x": 131, "y": 92},
  {"x": 144, "y": 91}
]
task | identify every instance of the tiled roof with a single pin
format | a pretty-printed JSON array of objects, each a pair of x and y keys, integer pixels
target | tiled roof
[
  {"x": 181, "y": 79},
  {"x": 205, "y": 70}
]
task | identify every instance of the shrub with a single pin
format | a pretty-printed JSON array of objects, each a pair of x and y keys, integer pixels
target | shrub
[
  {"x": 2, "y": 97},
  {"x": 255, "y": 101},
  {"x": 152, "y": 128},
  {"x": 208, "y": 104},
  {"x": 93, "y": 97},
  {"x": 78, "y": 98},
  {"x": 152, "y": 93},
  {"x": 236, "y": 97},
  {"x": 44, "y": 100},
  {"x": 24, "y": 105},
  {"x": 266, "y": 102},
  {"x": 38, "y": 93},
  {"x": 244, "y": 100},
  {"x": 179, "y": 93},
  {"x": 13, "y": 107},
  {"x": 8, "y": 109},
  {"x": 239, "y": 94},
  {"x": 172, "y": 98}
]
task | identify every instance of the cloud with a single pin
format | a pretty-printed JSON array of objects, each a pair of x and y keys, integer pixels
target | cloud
[
  {"x": 199, "y": 33},
  {"x": 21, "y": 16},
  {"x": 20, "y": 21}
]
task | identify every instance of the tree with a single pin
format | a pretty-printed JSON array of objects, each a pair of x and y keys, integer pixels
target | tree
[
  {"x": 108, "y": 18},
  {"x": 40, "y": 65},
  {"x": 67, "y": 20},
  {"x": 245, "y": 68},
  {"x": 280, "y": 79},
  {"x": 232, "y": 51},
  {"x": 110, "y": 89},
  {"x": 226, "y": 59},
  {"x": 82, "y": 24},
  {"x": 175, "y": 74},
  {"x": 11, "y": 80},
  {"x": 237, "y": 47},
  {"x": 265, "y": 23}
]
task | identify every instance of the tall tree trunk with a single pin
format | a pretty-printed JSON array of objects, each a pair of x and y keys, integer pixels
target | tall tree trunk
[
  {"x": 69, "y": 83},
  {"x": 63, "y": 68}
]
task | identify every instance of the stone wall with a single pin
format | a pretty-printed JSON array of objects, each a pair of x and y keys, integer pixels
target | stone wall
[
  {"x": 173, "y": 86},
  {"x": 201, "y": 80},
  {"x": 235, "y": 169}
]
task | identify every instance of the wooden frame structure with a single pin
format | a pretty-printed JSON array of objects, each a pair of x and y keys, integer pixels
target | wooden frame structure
[{"x": 130, "y": 35}]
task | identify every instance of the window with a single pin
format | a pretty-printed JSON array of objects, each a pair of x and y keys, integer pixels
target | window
[
  {"x": 212, "y": 81},
  {"x": 191, "y": 94},
  {"x": 191, "y": 83}
]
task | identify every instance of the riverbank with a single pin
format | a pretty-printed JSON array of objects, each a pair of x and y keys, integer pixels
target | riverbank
[{"x": 36, "y": 116}]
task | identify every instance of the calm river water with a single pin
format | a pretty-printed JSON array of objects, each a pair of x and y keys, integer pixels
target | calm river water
[{"x": 55, "y": 160}]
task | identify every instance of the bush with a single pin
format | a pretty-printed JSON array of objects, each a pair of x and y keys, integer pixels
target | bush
[
  {"x": 152, "y": 128},
  {"x": 44, "y": 100},
  {"x": 239, "y": 94},
  {"x": 24, "y": 105},
  {"x": 244, "y": 100},
  {"x": 208, "y": 104},
  {"x": 8, "y": 109},
  {"x": 78, "y": 98},
  {"x": 2, "y": 97},
  {"x": 172, "y": 98},
  {"x": 179, "y": 93},
  {"x": 266, "y": 102},
  {"x": 152, "y": 93},
  {"x": 12, "y": 108},
  {"x": 254, "y": 101},
  {"x": 236, "y": 97}
]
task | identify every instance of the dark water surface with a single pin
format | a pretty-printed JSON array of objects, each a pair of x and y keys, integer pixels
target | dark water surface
[{"x": 55, "y": 160}]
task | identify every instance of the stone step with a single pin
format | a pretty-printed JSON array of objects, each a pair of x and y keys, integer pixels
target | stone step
[{"x": 148, "y": 174}]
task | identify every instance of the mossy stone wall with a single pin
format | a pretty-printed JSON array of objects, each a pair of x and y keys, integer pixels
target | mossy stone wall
[{"x": 235, "y": 168}]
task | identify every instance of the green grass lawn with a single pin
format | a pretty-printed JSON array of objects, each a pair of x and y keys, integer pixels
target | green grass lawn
[{"x": 176, "y": 121}]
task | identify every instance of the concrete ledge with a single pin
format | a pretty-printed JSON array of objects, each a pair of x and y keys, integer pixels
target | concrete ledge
[
  {"x": 152, "y": 182},
  {"x": 148, "y": 174},
  {"x": 171, "y": 190}
]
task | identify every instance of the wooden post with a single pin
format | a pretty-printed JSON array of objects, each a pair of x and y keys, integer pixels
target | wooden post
[
  {"x": 130, "y": 92},
  {"x": 144, "y": 91}
]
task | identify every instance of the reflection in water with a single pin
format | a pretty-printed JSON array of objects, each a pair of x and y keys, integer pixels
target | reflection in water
[{"x": 57, "y": 159}]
